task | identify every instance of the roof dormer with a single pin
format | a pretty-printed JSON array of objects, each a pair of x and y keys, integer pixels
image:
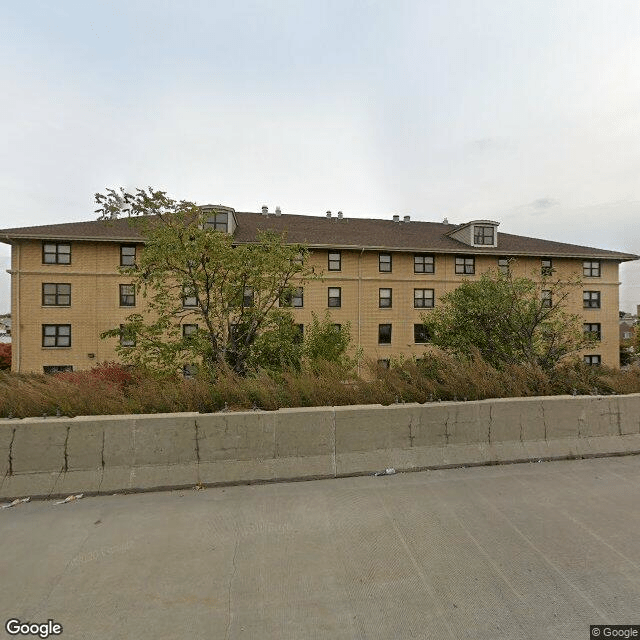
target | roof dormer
[
  {"x": 477, "y": 233},
  {"x": 219, "y": 217}
]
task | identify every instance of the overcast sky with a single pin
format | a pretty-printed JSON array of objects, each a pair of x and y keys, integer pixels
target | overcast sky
[{"x": 523, "y": 112}]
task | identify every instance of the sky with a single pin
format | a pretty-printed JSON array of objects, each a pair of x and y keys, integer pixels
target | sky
[{"x": 523, "y": 112}]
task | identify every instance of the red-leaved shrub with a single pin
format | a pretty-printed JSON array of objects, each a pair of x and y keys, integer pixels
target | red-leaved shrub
[{"x": 5, "y": 355}]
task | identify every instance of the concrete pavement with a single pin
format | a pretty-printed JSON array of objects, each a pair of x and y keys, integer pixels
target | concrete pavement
[{"x": 536, "y": 551}]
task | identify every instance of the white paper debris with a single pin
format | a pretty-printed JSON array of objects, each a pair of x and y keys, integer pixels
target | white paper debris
[
  {"x": 70, "y": 498},
  {"x": 387, "y": 472},
  {"x": 15, "y": 502}
]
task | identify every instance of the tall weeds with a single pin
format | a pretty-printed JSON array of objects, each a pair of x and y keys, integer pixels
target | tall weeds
[{"x": 111, "y": 389}]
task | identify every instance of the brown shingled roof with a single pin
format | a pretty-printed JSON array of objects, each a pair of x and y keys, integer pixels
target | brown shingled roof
[{"x": 336, "y": 233}]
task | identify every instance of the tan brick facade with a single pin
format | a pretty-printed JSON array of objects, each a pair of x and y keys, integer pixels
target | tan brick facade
[{"x": 95, "y": 303}]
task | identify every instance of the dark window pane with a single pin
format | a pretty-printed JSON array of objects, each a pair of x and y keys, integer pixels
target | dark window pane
[
  {"x": 384, "y": 334},
  {"x": 420, "y": 334}
]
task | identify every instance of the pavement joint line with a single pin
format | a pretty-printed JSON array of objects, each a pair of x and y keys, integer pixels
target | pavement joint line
[
  {"x": 583, "y": 526},
  {"x": 544, "y": 557},
  {"x": 416, "y": 565},
  {"x": 480, "y": 548}
]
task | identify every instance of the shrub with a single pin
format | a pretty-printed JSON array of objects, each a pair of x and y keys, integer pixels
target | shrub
[
  {"x": 113, "y": 389},
  {"x": 5, "y": 355}
]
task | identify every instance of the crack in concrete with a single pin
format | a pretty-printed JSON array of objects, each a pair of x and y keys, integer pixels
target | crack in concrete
[
  {"x": 521, "y": 426},
  {"x": 231, "y": 577},
  {"x": 65, "y": 467},
  {"x": 411, "y": 436},
  {"x": 197, "y": 450},
  {"x": 490, "y": 422},
  {"x": 544, "y": 420},
  {"x": 102, "y": 464},
  {"x": 333, "y": 430},
  {"x": 13, "y": 437}
]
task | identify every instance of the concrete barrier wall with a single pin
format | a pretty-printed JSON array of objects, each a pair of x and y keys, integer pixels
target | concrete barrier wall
[{"x": 106, "y": 454}]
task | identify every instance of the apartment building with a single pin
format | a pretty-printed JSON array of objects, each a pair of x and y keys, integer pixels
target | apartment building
[{"x": 379, "y": 275}]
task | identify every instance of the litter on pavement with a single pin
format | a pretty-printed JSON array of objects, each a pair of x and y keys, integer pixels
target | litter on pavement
[
  {"x": 70, "y": 498},
  {"x": 387, "y": 472},
  {"x": 15, "y": 502}
]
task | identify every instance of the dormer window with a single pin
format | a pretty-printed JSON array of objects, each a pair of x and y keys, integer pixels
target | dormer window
[
  {"x": 484, "y": 235},
  {"x": 218, "y": 218},
  {"x": 477, "y": 233},
  {"x": 218, "y": 221}
]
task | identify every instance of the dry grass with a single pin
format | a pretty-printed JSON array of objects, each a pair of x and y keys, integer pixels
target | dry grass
[{"x": 110, "y": 389}]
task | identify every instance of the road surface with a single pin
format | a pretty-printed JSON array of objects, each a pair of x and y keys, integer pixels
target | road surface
[{"x": 537, "y": 551}]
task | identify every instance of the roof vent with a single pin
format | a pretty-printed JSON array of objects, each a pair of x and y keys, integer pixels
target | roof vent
[
  {"x": 340, "y": 215},
  {"x": 328, "y": 214},
  {"x": 265, "y": 210},
  {"x": 407, "y": 218},
  {"x": 396, "y": 218},
  {"x": 445, "y": 221},
  {"x": 278, "y": 211}
]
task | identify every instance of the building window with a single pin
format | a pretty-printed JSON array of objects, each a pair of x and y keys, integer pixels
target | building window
[
  {"x": 465, "y": 265},
  {"x": 189, "y": 330},
  {"x": 247, "y": 297},
  {"x": 546, "y": 266},
  {"x": 503, "y": 265},
  {"x": 299, "y": 336},
  {"x": 127, "y": 295},
  {"x": 335, "y": 261},
  {"x": 384, "y": 363},
  {"x": 546, "y": 298},
  {"x": 420, "y": 334},
  {"x": 423, "y": 299},
  {"x": 592, "y": 329},
  {"x": 189, "y": 298},
  {"x": 627, "y": 335},
  {"x": 56, "y": 335},
  {"x": 384, "y": 262},
  {"x": 337, "y": 327},
  {"x": 127, "y": 255},
  {"x": 293, "y": 298},
  {"x": 384, "y": 298},
  {"x": 591, "y": 299},
  {"x": 56, "y": 253},
  {"x": 423, "y": 263},
  {"x": 483, "y": 235},
  {"x": 57, "y": 368},
  {"x": 127, "y": 339},
  {"x": 56, "y": 295},
  {"x": 591, "y": 268},
  {"x": 335, "y": 296},
  {"x": 593, "y": 359},
  {"x": 218, "y": 221},
  {"x": 384, "y": 334}
]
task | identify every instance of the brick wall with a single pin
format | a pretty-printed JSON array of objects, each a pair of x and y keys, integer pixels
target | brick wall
[{"x": 94, "y": 278}]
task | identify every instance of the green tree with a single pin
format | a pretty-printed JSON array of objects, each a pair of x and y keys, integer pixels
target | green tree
[
  {"x": 627, "y": 353},
  {"x": 329, "y": 342},
  {"x": 509, "y": 320},
  {"x": 190, "y": 275}
]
